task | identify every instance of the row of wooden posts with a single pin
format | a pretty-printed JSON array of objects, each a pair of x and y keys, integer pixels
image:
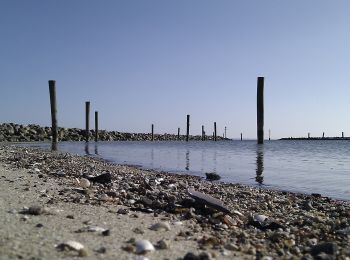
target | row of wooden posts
[{"x": 260, "y": 117}]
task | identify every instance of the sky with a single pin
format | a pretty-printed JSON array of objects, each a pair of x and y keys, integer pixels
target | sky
[{"x": 143, "y": 62}]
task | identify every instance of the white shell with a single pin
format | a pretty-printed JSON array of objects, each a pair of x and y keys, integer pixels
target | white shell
[
  {"x": 260, "y": 218},
  {"x": 96, "y": 229},
  {"x": 160, "y": 225},
  {"x": 172, "y": 186},
  {"x": 84, "y": 183},
  {"x": 140, "y": 257},
  {"x": 73, "y": 245},
  {"x": 143, "y": 246}
]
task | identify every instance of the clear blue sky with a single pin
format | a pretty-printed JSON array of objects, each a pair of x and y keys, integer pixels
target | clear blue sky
[{"x": 143, "y": 62}]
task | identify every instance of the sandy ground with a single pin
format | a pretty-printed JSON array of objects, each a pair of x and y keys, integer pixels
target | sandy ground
[{"x": 36, "y": 236}]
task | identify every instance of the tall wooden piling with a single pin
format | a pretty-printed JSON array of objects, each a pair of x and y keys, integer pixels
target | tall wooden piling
[
  {"x": 260, "y": 110},
  {"x": 188, "y": 128},
  {"x": 202, "y": 132},
  {"x": 152, "y": 132},
  {"x": 178, "y": 133},
  {"x": 215, "y": 137},
  {"x": 87, "y": 120},
  {"x": 241, "y": 136},
  {"x": 96, "y": 126},
  {"x": 342, "y": 134},
  {"x": 52, "y": 90},
  {"x": 308, "y": 135},
  {"x": 323, "y": 135}
]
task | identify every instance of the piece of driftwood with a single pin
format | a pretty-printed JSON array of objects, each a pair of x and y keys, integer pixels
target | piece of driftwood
[{"x": 208, "y": 200}]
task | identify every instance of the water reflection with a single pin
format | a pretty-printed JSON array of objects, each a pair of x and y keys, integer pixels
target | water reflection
[
  {"x": 87, "y": 152},
  {"x": 96, "y": 149},
  {"x": 54, "y": 146},
  {"x": 187, "y": 160},
  {"x": 152, "y": 157},
  {"x": 259, "y": 164},
  {"x": 215, "y": 161}
]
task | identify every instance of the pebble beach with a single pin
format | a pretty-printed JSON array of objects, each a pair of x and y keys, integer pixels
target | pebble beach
[{"x": 61, "y": 206}]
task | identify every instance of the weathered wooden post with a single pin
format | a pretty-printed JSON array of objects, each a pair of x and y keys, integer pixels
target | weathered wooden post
[
  {"x": 260, "y": 110},
  {"x": 188, "y": 128},
  {"x": 96, "y": 126},
  {"x": 152, "y": 133},
  {"x": 87, "y": 119},
  {"x": 178, "y": 133},
  {"x": 52, "y": 90},
  {"x": 323, "y": 135},
  {"x": 308, "y": 135},
  {"x": 202, "y": 132},
  {"x": 215, "y": 139},
  {"x": 342, "y": 134},
  {"x": 225, "y": 132},
  {"x": 241, "y": 136},
  {"x": 269, "y": 134}
]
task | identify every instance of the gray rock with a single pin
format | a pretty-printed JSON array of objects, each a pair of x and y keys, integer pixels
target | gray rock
[{"x": 326, "y": 247}]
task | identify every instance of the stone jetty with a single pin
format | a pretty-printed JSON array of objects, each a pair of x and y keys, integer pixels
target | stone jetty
[{"x": 10, "y": 132}]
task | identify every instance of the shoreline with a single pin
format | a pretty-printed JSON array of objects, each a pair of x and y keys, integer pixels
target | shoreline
[{"x": 304, "y": 225}]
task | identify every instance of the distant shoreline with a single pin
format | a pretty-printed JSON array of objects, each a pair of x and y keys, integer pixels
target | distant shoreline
[{"x": 314, "y": 138}]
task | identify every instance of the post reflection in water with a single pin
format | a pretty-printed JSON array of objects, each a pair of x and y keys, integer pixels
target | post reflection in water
[
  {"x": 259, "y": 165},
  {"x": 152, "y": 157},
  {"x": 187, "y": 160},
  {"x": 96, "y": 149},
  {"x": 214, "y": 160},
  {"x": 87, "y": 152}
]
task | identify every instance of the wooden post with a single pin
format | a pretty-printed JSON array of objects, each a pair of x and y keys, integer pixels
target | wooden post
[
  {"x": 241, "y": 136},
  {"x": 202, "y": 132},
  {"x": 152, "y": 133},
  {"x": 342, "y": 134},
  {"x": 308, "y": 135},
  {"x": 323, "y": 135},
  {"x": 188, "y": 128},
  {"x": 225, "y": 132},
  {"x": 260, "y": 110},
  {"x": 269, "y": 134},
  {"x": 96, "y": 126},
  {"x": 178, "y": 133},
  {"x": 215, "y": 139},
  {"x": 87, "y": 120},
  {"x": 52, "y": 90}
]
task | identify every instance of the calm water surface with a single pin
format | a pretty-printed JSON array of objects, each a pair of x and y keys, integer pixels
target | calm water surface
[{"x": 301, "y": 166}]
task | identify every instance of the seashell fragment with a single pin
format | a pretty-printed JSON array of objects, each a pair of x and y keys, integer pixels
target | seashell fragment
[
  {"x": 84, "y": 183},
  {"x": 71, "y": 245},
  {"x": 229, "y": 221},
  {"x": 143, "y": 246},
  {"x": 160, "y": 226},
  {"x": 260, "y": 218}
]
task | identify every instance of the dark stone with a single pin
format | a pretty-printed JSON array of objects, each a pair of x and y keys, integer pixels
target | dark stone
[
  {"x": 212, "y": 176},
  {"x": 326, "y": 247},
  {"x": 39, "y": 225},
  {"x": 107, "y": 232},
  {"x": 102, "y": 178},
  {"x": 190, "y": 256}
]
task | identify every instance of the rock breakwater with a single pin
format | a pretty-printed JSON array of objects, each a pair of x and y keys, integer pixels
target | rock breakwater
[{"x": 10, "y": 132}]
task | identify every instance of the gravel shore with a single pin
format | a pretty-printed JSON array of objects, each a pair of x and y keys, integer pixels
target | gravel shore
[{"x": 60, "y": 206}]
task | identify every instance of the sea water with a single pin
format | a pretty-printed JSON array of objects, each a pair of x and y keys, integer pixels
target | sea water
[{"x": 300, "y": 166}]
